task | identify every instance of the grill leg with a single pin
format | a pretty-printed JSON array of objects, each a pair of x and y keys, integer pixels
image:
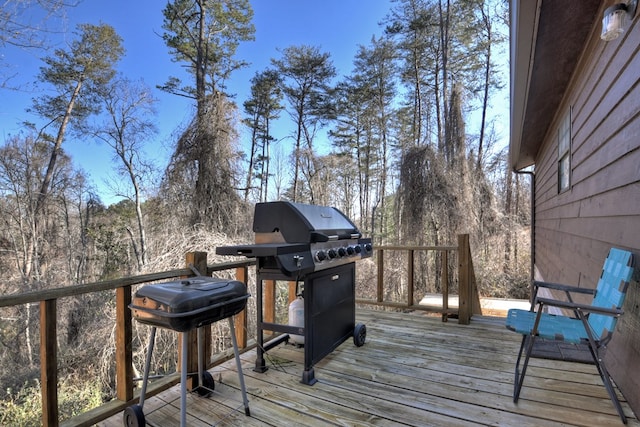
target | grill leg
[
  {"x": 147, "y": 366},
  {"x": 261, "y": 365},
  {"x": 201, "y": 366},
  {"x": 183, "y": 381},
  {"x": 239, "y": 367}
]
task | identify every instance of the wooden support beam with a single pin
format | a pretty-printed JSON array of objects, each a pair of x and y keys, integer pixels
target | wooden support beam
[
  {"x": 49, "y": 362},
  {"x": 242, "y": 275},
  {"x": 444, "y": 276},
  {"x": 269, "y": 301},
  {"x": 197, "y": 261},
  {"x": 476, "y": 308},
  {"x": 411, "y": 278},
  {"x": 464, "y": 279},
  {"x": 293, "y": 291},
  {"x": 380, "y": 290},
  {"x": 124, "y": 350}
]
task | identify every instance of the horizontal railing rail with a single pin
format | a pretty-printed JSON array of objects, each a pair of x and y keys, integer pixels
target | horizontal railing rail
[
  {"x": 106, "y": 285},
  {"x": 196, "y": 262}
]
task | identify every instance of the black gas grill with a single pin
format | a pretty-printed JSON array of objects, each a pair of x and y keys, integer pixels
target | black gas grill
[{"x": 315, "y": 246}]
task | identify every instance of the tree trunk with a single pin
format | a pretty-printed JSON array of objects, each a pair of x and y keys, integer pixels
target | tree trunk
[
  {"x": 44, "y": 189},
  {"x": 487, "y": 80},
  {"x": 252, "y": 155}
]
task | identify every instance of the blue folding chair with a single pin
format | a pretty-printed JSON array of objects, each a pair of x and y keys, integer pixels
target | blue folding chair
[{"x": 591, "y": 324}]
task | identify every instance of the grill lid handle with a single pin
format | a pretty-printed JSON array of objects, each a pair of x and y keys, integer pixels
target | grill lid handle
[{"x": 317, "y": 236}]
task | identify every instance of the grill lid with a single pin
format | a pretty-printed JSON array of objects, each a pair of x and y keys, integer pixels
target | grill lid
[{"x": 301, "y": 223}]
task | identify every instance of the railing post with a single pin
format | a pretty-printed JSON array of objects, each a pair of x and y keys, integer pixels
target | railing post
[
  {"x": 464, "y": 280},
  {"x": 269, "y": 301},
  {"x": 445, "y": 285},
  {"x": 242, "y": 274},
  {"x": 124, "y": 350},
  {"x": 411, "y": 278},
  {"x": 293, "y": 287},
  {"x": 49, "y": 362},
  {"x": 476, "y": 307},
  {"x": 380, "y": 290},
  {"x": 197, "y": 260}
]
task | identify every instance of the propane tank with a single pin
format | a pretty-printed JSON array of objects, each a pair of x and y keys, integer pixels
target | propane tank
[{"x": 296, "y": 318}]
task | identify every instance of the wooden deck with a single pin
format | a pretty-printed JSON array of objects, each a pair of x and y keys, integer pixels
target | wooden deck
[{"x": 414, "y": 370}]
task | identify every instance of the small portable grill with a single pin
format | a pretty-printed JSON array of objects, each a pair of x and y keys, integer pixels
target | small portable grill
[
  {"x": 183, "y": 306},
  {"x": 316, "y": 246}
]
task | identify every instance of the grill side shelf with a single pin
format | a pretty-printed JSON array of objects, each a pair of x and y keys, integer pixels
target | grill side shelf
[{"x": 262, "y": 250}]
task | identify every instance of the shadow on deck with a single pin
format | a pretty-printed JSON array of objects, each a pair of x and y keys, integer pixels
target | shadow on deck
[{"x": 414, "y": 370}]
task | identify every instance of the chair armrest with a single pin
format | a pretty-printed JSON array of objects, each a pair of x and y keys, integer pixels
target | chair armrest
[
  {"x": 583, "y": 307},
  {"x": 565, "y": 288}
]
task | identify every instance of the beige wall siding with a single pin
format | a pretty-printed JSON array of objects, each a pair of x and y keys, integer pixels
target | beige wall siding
[{"x": 574, "y": 230}]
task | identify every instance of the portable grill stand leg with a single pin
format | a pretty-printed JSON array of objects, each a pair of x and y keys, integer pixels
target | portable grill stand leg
[
  {"x": 147, "y": 366},
  {"x": 236, "y": 352},
  {"x": 183, "y": 380},
  {"x": 183, "y": 371},
  {"x": 201, "y": 366}
]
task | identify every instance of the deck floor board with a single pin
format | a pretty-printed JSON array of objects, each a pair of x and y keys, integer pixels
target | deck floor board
[{"x": 414, "y": 370}]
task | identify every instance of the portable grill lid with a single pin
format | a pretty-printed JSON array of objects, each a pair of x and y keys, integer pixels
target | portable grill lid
[
  {"x": 189, "y": 303},
  {"x": 187, "y": 295},
  {"x": 302, "y": 223}
]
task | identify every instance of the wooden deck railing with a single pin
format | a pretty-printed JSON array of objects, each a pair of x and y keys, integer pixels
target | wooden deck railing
[
  {"x": 125, "y": 396},
  {"x": 468, "y": 298}
]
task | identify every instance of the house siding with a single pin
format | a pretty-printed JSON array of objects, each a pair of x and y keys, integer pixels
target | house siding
[{"x": 575, "y": 229}]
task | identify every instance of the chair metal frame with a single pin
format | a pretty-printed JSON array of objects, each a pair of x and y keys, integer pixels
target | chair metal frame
[{"x": 535, "y": 323}]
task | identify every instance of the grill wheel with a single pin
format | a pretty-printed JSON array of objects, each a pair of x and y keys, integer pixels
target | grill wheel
[
  {"x": 359, "y": 334},
  {"x": 133, "y": 416}
]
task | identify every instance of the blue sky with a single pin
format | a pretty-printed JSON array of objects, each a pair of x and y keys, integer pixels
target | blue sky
[{"x": 336, "y": 26}]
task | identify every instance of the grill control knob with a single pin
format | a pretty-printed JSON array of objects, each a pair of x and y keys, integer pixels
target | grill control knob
[
  {"x": 332, "y": 253},
  {"x": 321, "y": 256},
  {"x": 358, "y": 249},
  {"x": 350, "y": 250},
  {"x": 342, "y": 252},
  {"x": 368, "y": 247}
]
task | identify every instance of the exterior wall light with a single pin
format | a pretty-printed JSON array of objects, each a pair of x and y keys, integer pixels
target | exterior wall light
[{"x": 615, "y": 19}]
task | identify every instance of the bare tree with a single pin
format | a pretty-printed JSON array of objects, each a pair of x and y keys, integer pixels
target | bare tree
[
  {"x": 41, "y": 248},
  {"x": 263, "y": 107},
  {"x": 28, "y": 24},
  {"x": 129, "y": 107},
  {"x": 306, "y": 74},
  {"x": 364, "y": 111},
  {"x": 17, "y": 31}
]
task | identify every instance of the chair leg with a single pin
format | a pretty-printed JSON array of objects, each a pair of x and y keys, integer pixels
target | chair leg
[
  {"x": 604, "y": 374},
  {"x": 527, "y": 340},
  {"x": 598, "y": 359}
]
